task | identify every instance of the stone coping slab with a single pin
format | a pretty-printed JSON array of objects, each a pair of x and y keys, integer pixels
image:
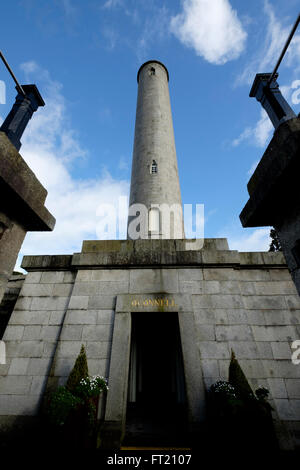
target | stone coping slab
[{"x": 129, "y": 254}]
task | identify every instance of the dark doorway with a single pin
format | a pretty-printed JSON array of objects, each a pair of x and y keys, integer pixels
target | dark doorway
[{"x": 156, "y": 411}]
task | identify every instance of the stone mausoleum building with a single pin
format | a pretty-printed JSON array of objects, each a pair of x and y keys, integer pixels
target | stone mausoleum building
[{"x": 154, "y": 310}]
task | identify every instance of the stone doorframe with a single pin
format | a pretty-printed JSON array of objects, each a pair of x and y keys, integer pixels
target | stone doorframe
[{"x": 116, "y": 403}]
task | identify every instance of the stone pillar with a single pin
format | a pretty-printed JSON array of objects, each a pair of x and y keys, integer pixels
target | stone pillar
[
  {"x": 11, "y": 238},
  {"x": 274, "y": 193},
  {"x": 21, "y": 207},
  {"x": 20, "y": 114},
  {"x": 154, "y": 177},
  {"x": 271, "y": 99}
]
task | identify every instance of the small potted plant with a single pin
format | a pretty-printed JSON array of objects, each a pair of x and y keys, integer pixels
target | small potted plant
[{"x": 89, "y": 389}]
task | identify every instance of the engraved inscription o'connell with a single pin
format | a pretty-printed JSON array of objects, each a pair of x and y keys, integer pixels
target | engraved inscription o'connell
[{"x": 157, "y": 302}]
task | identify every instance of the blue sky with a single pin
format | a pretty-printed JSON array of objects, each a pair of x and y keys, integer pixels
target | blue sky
[{"x": 84, "y": 57}]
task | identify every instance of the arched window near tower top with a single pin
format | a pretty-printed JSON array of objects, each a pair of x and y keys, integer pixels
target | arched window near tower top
[
  {"x": 153, "y": 167},
  {"x": 152, "y": 71}
]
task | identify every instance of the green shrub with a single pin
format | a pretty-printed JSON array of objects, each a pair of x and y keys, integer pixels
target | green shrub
[
  {"x": 234, "y": 410},
  {"x": 80, "y": 371},
  {"x": 61, "y": 404}
]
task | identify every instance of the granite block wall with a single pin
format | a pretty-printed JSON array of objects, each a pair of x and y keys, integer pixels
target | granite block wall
[{"x": 246, "y": 302}]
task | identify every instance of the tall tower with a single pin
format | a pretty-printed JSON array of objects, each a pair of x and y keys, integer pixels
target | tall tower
[{"x": 154, "y": 176}]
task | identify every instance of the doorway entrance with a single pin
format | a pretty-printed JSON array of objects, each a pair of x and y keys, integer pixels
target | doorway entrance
[{"x": 156, "y": 407}]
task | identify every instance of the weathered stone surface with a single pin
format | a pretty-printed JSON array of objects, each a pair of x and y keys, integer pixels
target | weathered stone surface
[
  {"x": 20, "y": 317},
  {"x": 49, "y": 303},
  {"x": 119, "y": 368},
  {"x": 69, "y": 349},
  {"x": 293, "y": 388},
  {"x": 191, "y": 274},
  {"x": 29, "y": 349},
  {"x": 18, "y": 366},
  {"x": 100, "y": 287},
  {"x": 281, "y": 369},
  {"x": 275, "y": 288},
  {"x": 284, "y": 409},
  {"x": 38, "y": 366},
  {"x": 71, "y": 332},
  {"x": 15, "y": 384},
  {"x": 23, "y": 303},
  {"x": 191, "y": 287},
  {"x": 277, "y": 388},
  {"x": 81, "y": 317},
  {"x": 233, "y": 333},
  {"x": 227, "y": 301},
  {"x": 41, "y": 263},
  {"x": 62, "y": 290},
  {"x": 205, "y": 332},
  {"x": 265, "y": 302},
  {"x": 111, "y": 275},
  {"x": 217, "y": 274},
  {"x": 105, "y": 317},
  {"x": 56, "y": 317},
  {"x": 34, "y": 277},
  {"x": 13, "y": 333},
  {"x": 97, "y": 333},
  {"x": 204, "y": 316},
  {"x": 19, "y": 405},
  {"x": 245, "y": 349},
  {"x": 36, "y": 290},
  {"x": 98, "y": 302},
  {"x": 237, "y": 316},
  {"x": 98, "y": 350},
  {"x": 265, "y": 350},
  {"x": 210, "y": 368},
  {"x": 32, "y": 333},
  {"x": 38, "y": 385},
  {"x": 153, "y": 280},
  {"x": 192, "y": 368},
  {"x": 281, "y": 350},
  {"x": 50, "y": 332},
  {"x": 79, "y": 302},
  {"x": 214, "y": 350},
  {"x": 273, "y": 333}
]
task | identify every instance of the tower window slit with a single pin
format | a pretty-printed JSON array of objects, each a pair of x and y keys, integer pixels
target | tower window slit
[{"x": 153, "y": 167}]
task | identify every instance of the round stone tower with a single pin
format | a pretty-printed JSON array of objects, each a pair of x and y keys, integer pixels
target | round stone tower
[{"x": 155, "y": 209}]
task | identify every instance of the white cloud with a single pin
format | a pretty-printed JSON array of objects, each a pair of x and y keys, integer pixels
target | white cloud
[
  {"x": 2, "y": 92},
  {"x": 268, "y": 52},
  {"x": 69, "y": 8},
  {"x": 261, "y": 132},
  {"x": 154, "y": 29},
  {"x": 111, "y": 37},
  {"x": 253, "y": 167},
  {"x": 258, "y": 240},
  {"x": 112, "y": 3},
  {"x": 242, "y": 239},
  {"x": 295, "y": 86},
  {"x": 211, "y": 28},
  {"x": 50, "y": 148},
  {"x": 258, "y": 134}
]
